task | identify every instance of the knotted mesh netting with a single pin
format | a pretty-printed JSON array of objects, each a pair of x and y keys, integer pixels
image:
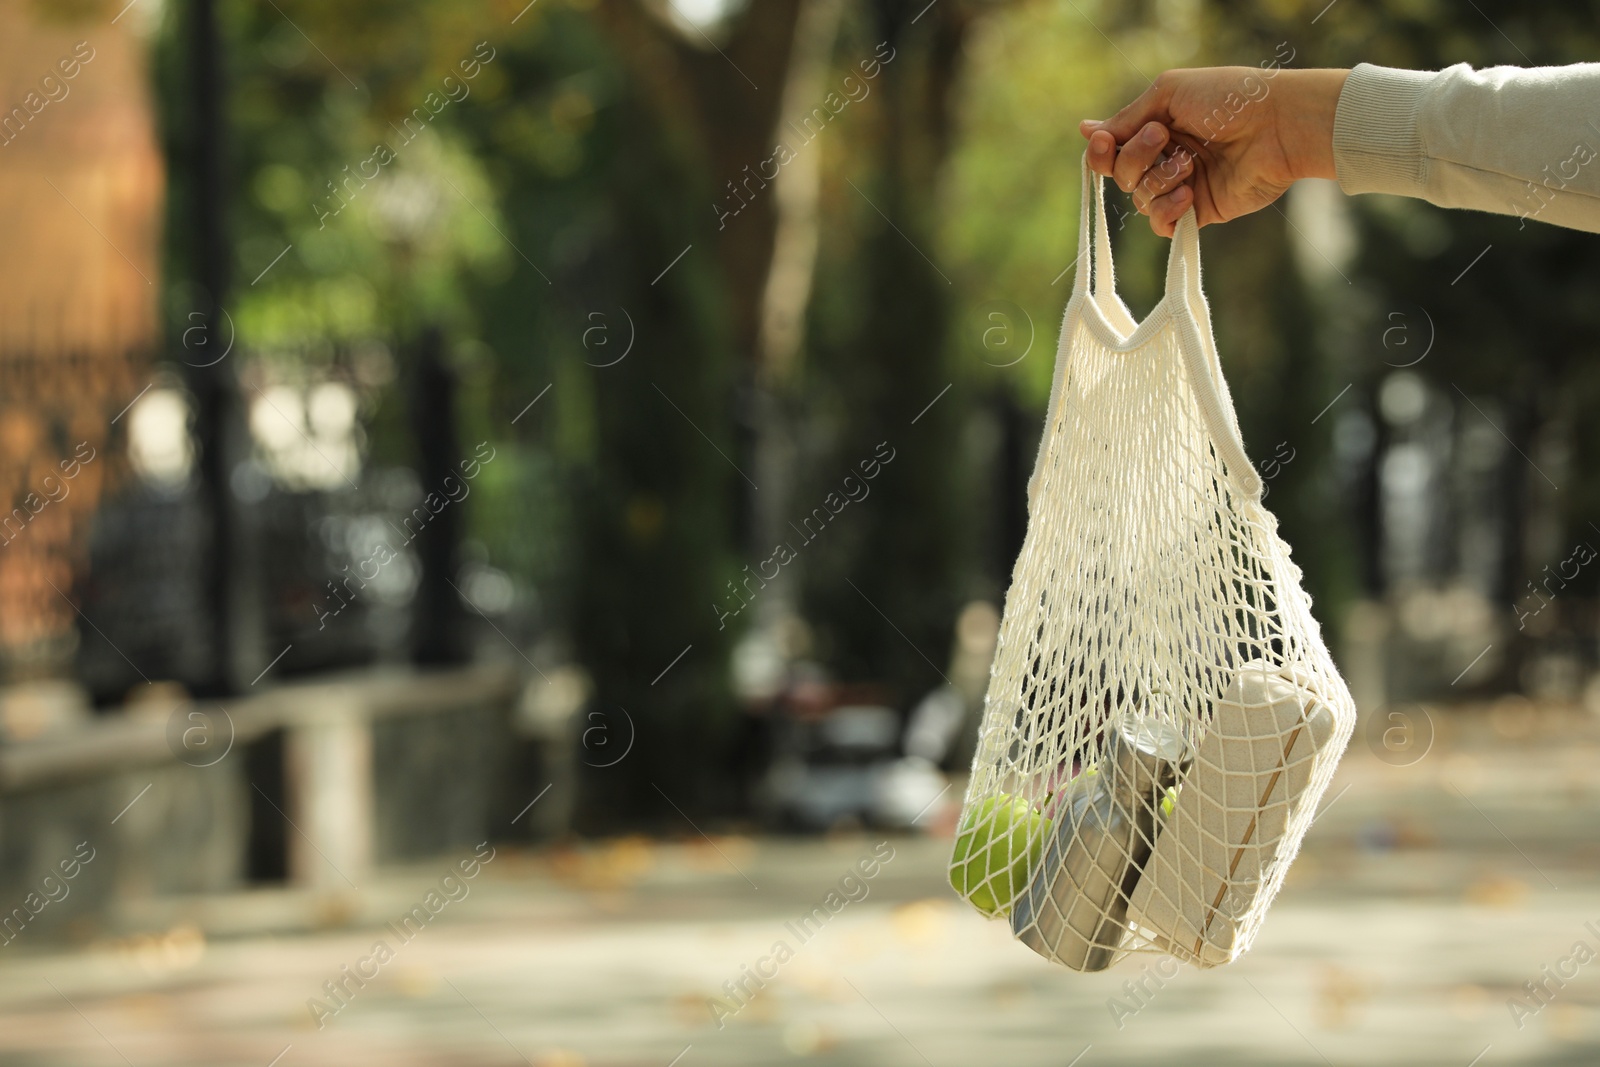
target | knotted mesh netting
[{"x": 1162, "y": 714}]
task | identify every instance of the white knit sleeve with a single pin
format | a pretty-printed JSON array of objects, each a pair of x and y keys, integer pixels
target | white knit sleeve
[{"x": 1513, "y": 141}]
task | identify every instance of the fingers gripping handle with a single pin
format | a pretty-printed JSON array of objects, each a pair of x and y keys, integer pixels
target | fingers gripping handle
[{"x": 1096, "y": 279}]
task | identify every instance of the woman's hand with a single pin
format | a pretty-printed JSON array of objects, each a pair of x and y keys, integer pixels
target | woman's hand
[{"x": 1227, "y": 140}]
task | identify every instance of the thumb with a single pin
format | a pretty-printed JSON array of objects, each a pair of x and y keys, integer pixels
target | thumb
[{"x": 1151, "y": 105}]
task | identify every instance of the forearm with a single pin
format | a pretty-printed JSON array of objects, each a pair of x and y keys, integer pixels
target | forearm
[
  {"x": 1307, "y": 105},
  {"x": 1506, "y": 140}
]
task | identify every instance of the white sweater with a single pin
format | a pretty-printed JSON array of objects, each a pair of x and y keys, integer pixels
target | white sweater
[{"x": 1507, "y": 140}]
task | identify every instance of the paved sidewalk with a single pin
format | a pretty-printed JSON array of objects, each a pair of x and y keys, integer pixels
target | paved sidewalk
[{"x": 1426, "y": 897}]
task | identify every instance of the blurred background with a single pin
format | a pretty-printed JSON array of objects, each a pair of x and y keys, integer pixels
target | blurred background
[{"x": 532, "y": 485}]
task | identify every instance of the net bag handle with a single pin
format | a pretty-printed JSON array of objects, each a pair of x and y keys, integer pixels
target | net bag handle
[
  {"x": 1200, "y": 357},
  {"x": 1098, "y": 264},
  {"x": 1184, "y": 301},
  {"x": 1096, "y": 274}
]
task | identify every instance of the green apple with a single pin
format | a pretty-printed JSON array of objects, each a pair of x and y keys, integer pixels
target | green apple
[
  {"x": 997, "y": 846},
  {"x": 1169, "y": 800}
]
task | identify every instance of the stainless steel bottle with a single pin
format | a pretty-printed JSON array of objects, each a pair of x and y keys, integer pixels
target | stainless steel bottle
[{"x": 1075, "y": 908}]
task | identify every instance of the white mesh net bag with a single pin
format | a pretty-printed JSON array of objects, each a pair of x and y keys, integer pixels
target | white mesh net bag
[{"x": 1163, "y": 715}]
